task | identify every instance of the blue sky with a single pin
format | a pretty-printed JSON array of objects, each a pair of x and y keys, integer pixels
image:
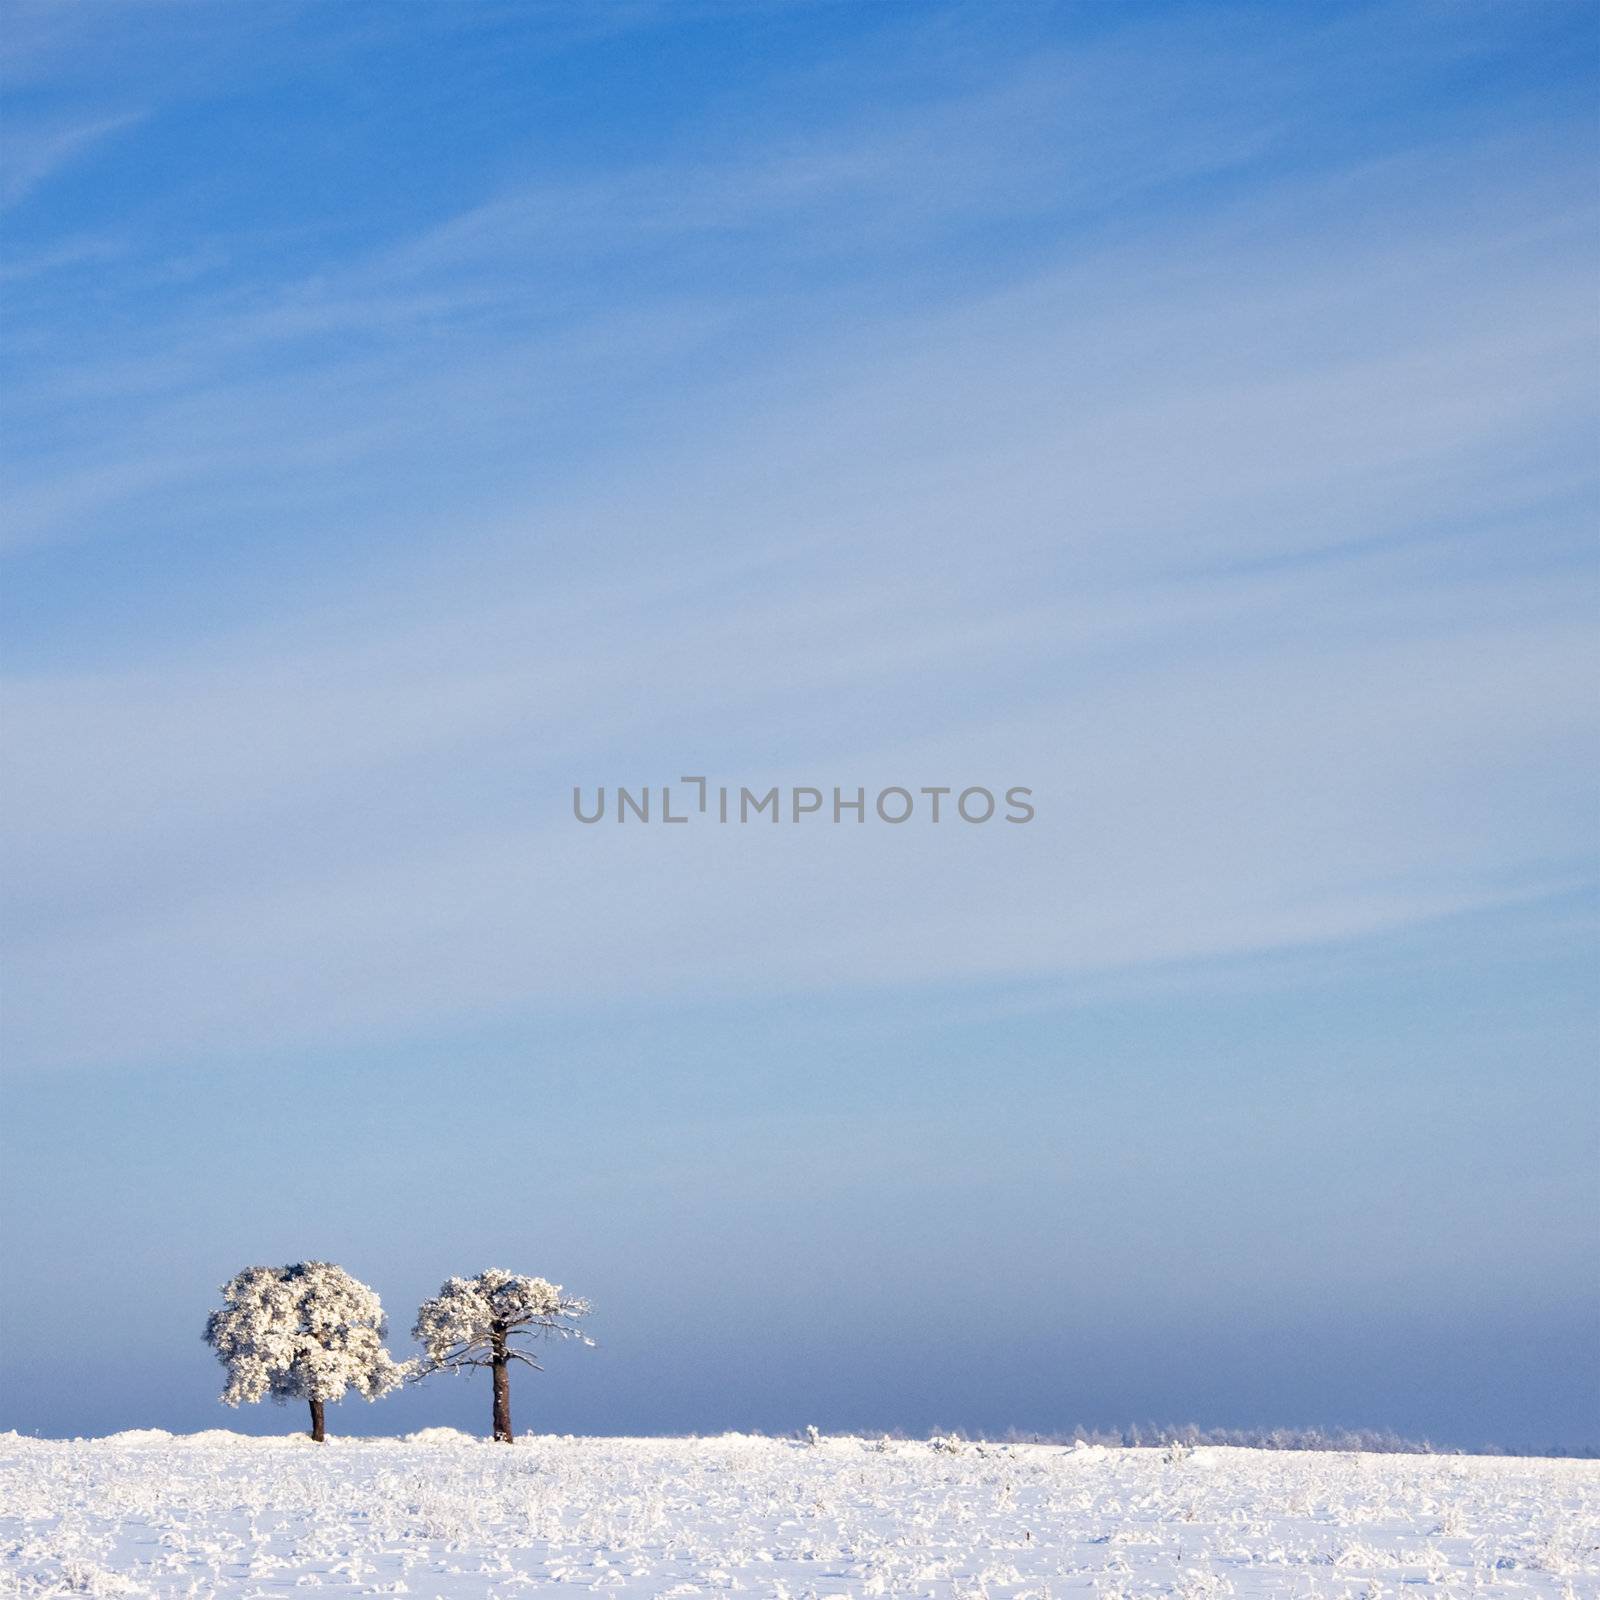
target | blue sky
[{"x": 1186, "y": 411}]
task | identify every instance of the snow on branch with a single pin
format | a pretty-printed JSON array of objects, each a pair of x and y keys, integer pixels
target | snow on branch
[
  {"x": 303, "y": 1332},
  {"x": 473, "y": 1321}
]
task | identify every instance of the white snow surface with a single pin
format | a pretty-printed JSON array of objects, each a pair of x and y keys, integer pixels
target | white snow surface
[{"x": 441, "y": 1514}]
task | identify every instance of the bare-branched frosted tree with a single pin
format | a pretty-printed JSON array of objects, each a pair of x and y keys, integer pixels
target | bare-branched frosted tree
[
  {"x": 308, "y": 1332},
  {"x": 485, "y": 1322}
]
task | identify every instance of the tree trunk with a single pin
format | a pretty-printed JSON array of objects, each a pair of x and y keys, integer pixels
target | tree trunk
[
  {"x": 500, "y": 1367},
  {"x": 317, "y": 1433}
]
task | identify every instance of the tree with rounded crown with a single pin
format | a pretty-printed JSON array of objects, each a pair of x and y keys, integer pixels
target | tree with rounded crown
[
  {"x": 306, "y": 1332},
  {"x": 484, "y": 1321}
]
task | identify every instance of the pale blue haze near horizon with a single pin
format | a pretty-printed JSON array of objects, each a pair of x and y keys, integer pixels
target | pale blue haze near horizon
[{"x": 1187, "y": 411}]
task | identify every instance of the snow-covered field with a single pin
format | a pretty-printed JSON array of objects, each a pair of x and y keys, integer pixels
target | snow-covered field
[{"x": 439, "y": 1514}]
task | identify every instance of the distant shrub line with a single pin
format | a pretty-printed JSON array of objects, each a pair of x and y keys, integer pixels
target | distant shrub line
[{"x": 1372, "y": 1441}]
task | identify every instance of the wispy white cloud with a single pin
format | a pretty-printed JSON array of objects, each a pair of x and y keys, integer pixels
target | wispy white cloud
[
  {"x": 1090, "y": 131},
  {"x": 1282, "y": 800},
  {"x": 34, "y": 155},
  {"x": 1254, "y": 516}
]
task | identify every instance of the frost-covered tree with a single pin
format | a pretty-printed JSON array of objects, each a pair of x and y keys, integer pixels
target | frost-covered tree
[
  {"x": 485, "y": 1322},
  {"x": 308, "y": 1332}
]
